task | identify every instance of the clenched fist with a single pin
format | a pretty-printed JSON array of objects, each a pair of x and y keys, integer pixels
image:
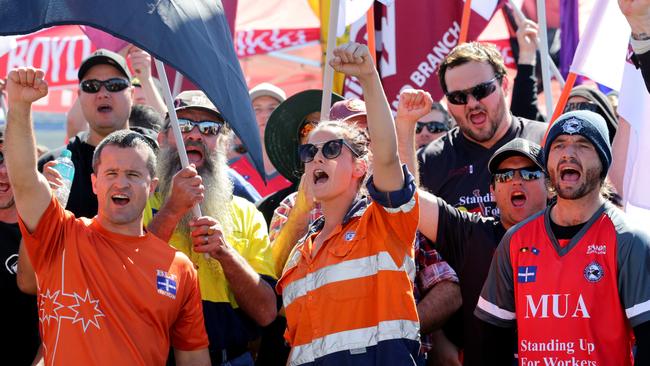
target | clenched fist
[{"x": 25, "y": 85}]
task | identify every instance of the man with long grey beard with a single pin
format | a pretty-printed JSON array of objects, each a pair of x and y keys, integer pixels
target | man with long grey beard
[{"x": 237, "y": 278}]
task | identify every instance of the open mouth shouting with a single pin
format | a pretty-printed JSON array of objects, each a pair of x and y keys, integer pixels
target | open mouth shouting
[
  {"x": 320, "y": 177},
  {"x": 104, "y": 108},
  {"x": 120, "y": 199},
  {"x": 4, "y": 187},
  {"x": 569, "y": 175},
  {"x": 518, "y": 198},
  {"x": 477, "y": 117},
  {"x": 195, "y": 152}
]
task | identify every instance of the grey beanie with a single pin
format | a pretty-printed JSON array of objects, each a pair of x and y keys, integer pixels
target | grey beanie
[{"x": 585, "y": 123}]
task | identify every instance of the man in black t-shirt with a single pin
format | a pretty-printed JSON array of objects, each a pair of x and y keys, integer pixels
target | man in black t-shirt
[
  {"x": 20, "y": 324},
  {"x": 466, "y": 240},
  {"x": 454, "y": 167}
]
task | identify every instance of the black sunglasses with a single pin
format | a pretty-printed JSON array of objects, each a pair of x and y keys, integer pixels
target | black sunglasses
[
  {"x": 479, "y": 92},
  {"x": 432, "y": 127},
  {"x": 527, "y": 174},
  {"x": 113, "y": 85},
  {"x": 205, "y": 127},
  {"x": 330, "y": 149},
  {"x": 2, "y": 157},
  {"x": 581, "y": 106}
]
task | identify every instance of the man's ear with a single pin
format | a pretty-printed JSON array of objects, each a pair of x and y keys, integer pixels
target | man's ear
[
  {"x": 152, "y": 186},
  {"x": 93, "y": 180},
  {"x": 505, "y": 82}
]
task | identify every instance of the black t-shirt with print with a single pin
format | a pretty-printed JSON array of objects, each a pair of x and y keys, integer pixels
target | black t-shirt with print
[
  {"x": 467, "y": 242},
  {"x": 20, "y": 327},
  {"x": 455, "y": 168}
]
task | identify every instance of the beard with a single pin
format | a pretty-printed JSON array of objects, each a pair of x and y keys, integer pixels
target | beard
[
  {"x": 494, "y": 120},
  {"x": 591, "y": 182},
  {"x": 218, "y": 186},
  {"x": 7, "y": 204}
]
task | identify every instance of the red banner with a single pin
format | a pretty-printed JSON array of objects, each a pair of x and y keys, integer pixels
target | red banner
[
  {"x": 415, "y": 37},
  {"x": 257, "y": 42}
]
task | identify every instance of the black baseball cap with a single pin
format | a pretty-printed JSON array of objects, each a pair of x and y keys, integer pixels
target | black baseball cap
[
  {"x": 516, "y": 147},
  {"x": 104, "y": 57}
]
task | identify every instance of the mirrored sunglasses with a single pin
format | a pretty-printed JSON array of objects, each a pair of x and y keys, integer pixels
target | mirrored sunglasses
[
  {"x": 330, "y": 150},
  {"x": 113, "y": 85},
  {"x": 527, "y": 174},
  {"x": 432, "y": 127},
  {"x": 479, "y": 92},
  {"x": 205, "y": 127}
]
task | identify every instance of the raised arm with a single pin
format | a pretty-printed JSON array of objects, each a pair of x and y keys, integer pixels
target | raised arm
[
  {"x": 31, "y": 190},
  {"x": 354, "y": 59},
  {"x": 413, "y": 105}
]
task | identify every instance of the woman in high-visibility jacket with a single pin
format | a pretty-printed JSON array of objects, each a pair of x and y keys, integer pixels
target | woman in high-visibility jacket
[{"x": 347, "y": 286}]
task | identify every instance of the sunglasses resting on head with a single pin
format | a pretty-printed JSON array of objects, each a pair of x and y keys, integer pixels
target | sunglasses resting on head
[{"x": 479, "y": 92}]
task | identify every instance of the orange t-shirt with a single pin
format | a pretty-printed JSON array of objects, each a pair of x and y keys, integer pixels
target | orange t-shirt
[{"x": 106, "y": 298}]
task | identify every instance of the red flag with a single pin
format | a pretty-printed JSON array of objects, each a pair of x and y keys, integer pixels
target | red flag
[{"x": 416, "y": 35}]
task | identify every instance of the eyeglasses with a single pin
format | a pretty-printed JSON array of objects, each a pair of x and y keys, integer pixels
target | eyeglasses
[
  {"x": 432, "y": 127},
  {"x": 113, "y": 85},
  {"x": 581, "y": 106},
  {"x": 205, "y": 127},
  {"x": 479, "y": 92},
  {"x": 527, "y": 174},
  {"x": 330, "y": 149},
  {"x": 2, "y": 158},
  {"x": 306, "y": 127}
]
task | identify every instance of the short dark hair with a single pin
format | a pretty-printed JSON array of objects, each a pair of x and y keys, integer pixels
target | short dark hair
[
  {"x": 472, "y": 51},
  {"x": 436, "y": 106},
  {"x": 126, "y": 139},
  {"x": 145, "y": 116}
]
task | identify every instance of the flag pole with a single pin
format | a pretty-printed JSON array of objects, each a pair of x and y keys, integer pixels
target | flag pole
[
  {"x": 370, "y": 31},
  {"x": 178, "y": 83},
  {"x": 173, "y": 122},
  {"x": 522, "y": 17},
  {"x": 543, "y": 49},
  {"x": 328, "y": 71},
  {"x": 464, "y": 23},
  {"x": 559, "y": 107}
]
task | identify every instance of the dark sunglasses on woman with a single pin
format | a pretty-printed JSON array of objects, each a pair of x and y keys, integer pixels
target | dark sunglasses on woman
[
  {"x": 527, "y": 174},
  {"x": 113, "y": 85},
  {"x": 330, "y": 149},
  {"x": 479, "y": 92}
]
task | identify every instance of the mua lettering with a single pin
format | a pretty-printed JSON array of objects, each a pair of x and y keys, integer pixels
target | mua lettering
[{"x": 561, "y": 304}]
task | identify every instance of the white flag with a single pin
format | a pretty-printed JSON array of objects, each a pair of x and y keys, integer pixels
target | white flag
[
  {"x": 602, "y": 51},
  {"x": 634, "y": 107},
  {"x": 350, "y": 11}
]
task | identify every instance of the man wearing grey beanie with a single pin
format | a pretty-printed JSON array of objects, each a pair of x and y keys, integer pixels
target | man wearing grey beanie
[{"x": 575, "y": 278}]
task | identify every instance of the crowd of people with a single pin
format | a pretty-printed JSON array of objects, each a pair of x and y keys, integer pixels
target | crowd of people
[{"x": 464, "y": 233}]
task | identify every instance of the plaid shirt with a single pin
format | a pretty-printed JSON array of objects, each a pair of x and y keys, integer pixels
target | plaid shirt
[{"x": 430, "y": 269}]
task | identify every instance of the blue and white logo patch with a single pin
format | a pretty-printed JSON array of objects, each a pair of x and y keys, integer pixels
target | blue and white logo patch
[
  {"x": 350, "y": 235},
  {"x": 166, "y": 284},
  {"x": 594, "y": 272},
  {"x": 572, "y": 126},
  {"x": 526, "y": 274}
]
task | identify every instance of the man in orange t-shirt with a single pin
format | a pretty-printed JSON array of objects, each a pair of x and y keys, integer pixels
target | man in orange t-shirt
[{"x": 108, "y": 292}]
